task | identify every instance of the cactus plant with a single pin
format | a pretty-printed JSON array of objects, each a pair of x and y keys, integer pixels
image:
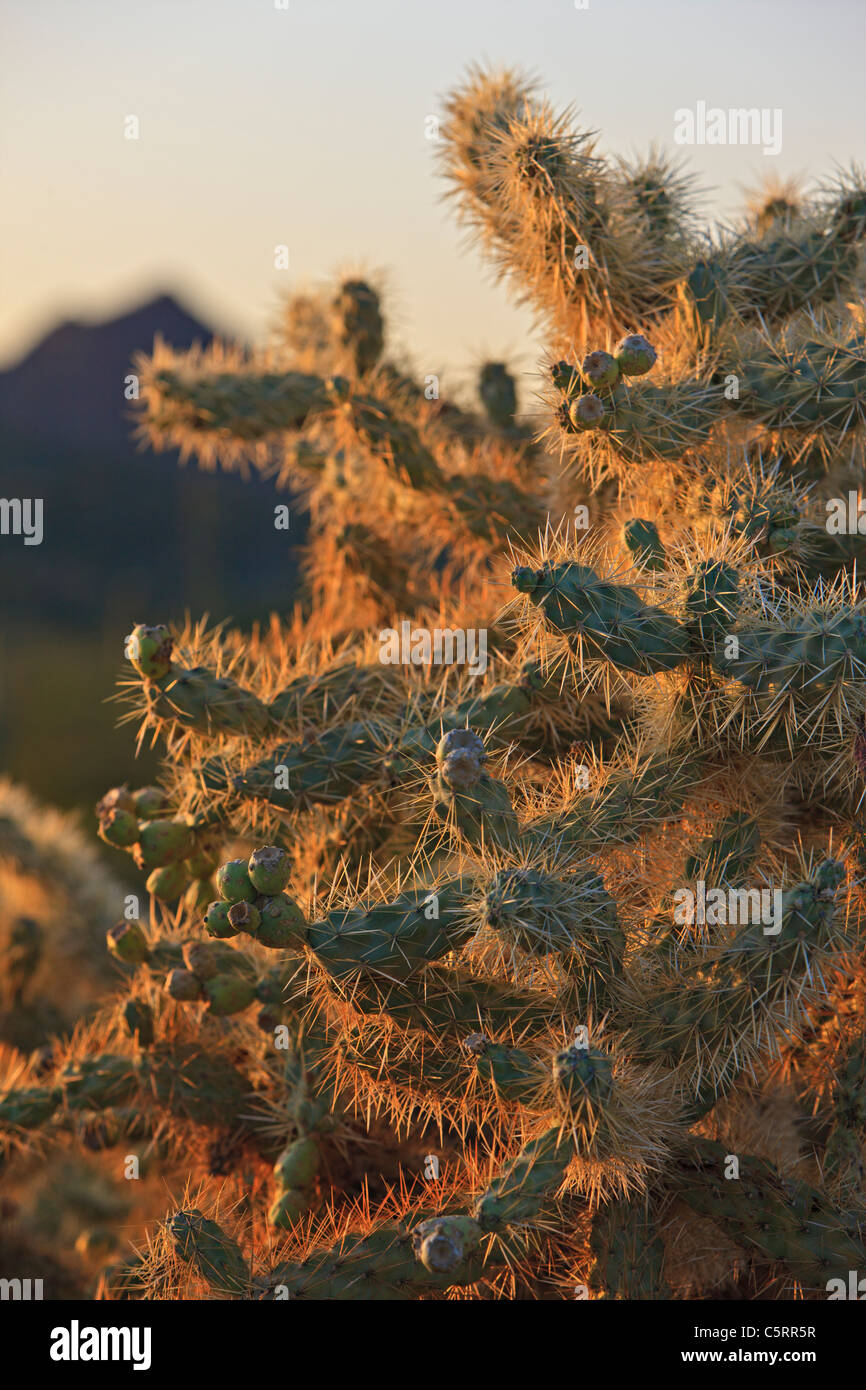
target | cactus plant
[{"x": 571, "y": 917}]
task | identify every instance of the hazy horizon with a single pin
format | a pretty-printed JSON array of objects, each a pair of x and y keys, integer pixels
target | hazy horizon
[{"x": 306, "y": 127}]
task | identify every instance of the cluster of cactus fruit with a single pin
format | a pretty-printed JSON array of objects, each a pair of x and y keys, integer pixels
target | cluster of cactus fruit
[{"x": 454, "y": 933}]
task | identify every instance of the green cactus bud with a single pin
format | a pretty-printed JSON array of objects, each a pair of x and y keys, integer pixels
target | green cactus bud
[
  {"x": 282, "y": 923},
  {"x": 581, "y": 1075},
  {"x": 269, "y": 870},
  {"x": 297, "y": 1165},
  {"x": 162, "y": 842},
  {"x": 149, "y": 650},
  {"x": 634, "y": 355},
  {"x": 168, "y": 883},
  {"x": 149, "y": 802},
  {"x": 127, "y": 942},
  {"x": 642, "y": 539},
  {"x": 525, "y": 579},
  {"x": 287, "y": 1208},
  {"x": 228, "y": 994},
  {"x": 233, "y": 882},
  {"x": 444, "y": 1243},
  {"x": 600, "y": 371},
  {"x": 565, "y": 377},
  {"x": 245, "y": 917},
  {"x": 119, "y": 828},
  {"x": 183, "y": 986},
  {"x": 216, "y": 921},
  {"x": 586, "y": 412}
]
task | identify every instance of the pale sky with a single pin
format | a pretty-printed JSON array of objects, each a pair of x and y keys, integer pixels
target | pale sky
[{"x": 305, "y": 126}]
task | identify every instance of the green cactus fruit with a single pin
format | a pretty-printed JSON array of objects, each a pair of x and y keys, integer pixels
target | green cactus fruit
[
  {"x": 162, "y": 842},
  {"x": 600, "y": 371},
  {"x": 116, "y": 799},
  {"x": 149, "y": 802},
  {"x": 586, "y": 412},
  {"x": 149, "y": 650},
  {"x": 298, "y": 1165},
  {"x": 282, "y": 923},
  {"x": 287, "y": 1208},
  {"x": 634, "y": 355},
  {"x": 234, "y": 884},
  {"x": 216, "y": 921},
  {"x": 138, "y": 1017},
  {"x": 183, "y": 985},
  {"x": 444, "y": 1243},
  {"x": 228, "y": 994},
  {"x": 460, "y": 770},
  {"x": 245, "y": 917},
  {"x": 269, "y": 870},
  {"x": 127, "y": 942},
  {"x": 119, "y": 828},
  {"x": 201, "y": 959},
  {"x": 204, "y": 860},
  {"x": 168, "y": 883}
]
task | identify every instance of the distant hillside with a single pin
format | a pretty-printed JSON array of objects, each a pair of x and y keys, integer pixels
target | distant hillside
[
  {"x": 128, "y": 534},
  {"x": 69, "y": 388}
]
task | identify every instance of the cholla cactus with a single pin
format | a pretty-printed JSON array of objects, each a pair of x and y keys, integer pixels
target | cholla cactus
[{"x": 578, "y": 916}]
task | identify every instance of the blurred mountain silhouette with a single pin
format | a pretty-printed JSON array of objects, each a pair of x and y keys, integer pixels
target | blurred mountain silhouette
[{"x": 128, "y": 534}]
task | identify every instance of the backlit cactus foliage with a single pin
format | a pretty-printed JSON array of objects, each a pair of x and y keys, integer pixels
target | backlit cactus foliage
[{"x": 529, "y": 967}]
